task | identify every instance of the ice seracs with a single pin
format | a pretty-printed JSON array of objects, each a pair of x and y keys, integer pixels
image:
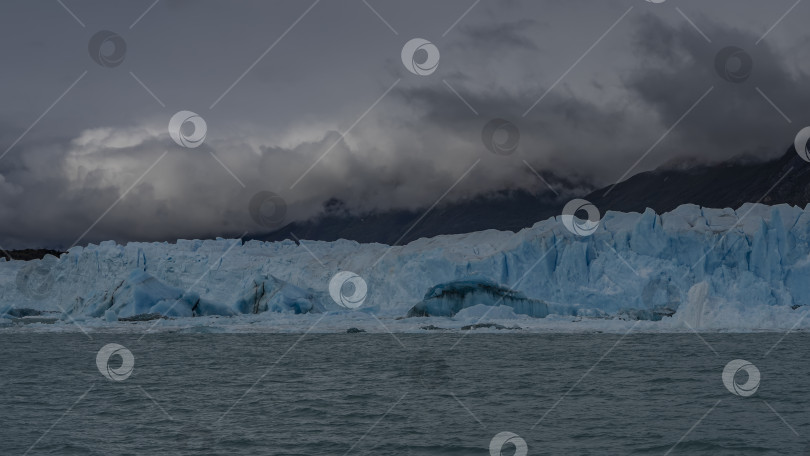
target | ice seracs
[
  {"x": 141, "y": 294},
  {"x": 708, "y": 268}
]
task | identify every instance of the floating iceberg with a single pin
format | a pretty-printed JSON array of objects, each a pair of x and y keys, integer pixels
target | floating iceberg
[{"x": 702, "y": 268}]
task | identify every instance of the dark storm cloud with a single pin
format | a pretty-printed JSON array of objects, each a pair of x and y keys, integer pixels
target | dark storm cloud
[
  {"x": 91, "y": 151},
  {"x": 736, "y": 117},
  {"x": 509, "y": 35},
  {"x": 675, "y": 67}
]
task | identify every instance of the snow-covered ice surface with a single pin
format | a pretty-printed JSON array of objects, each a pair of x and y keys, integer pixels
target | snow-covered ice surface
[{"x": 692, "y": 268}]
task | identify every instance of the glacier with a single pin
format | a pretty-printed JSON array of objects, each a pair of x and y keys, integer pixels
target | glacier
[{"x": 691, "y": 268}]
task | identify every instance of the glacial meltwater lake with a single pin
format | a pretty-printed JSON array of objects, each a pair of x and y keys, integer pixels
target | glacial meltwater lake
[{"x": 376, "y": 394}]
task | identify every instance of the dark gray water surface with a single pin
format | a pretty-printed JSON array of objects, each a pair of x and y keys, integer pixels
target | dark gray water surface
[{"x": 367, "y": 394}]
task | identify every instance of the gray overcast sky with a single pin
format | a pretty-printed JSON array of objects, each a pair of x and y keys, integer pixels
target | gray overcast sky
[{"x": 69, "y": 173}]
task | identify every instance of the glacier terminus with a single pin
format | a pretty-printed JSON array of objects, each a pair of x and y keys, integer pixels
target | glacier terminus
[{"x": 689, "y": 269}]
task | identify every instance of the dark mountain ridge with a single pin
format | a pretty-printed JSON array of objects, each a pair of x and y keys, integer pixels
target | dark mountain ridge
[{"x": 729, "y": 184}]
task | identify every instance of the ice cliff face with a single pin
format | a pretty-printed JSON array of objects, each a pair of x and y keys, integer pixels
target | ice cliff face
[{"x": 711, "y": 267}]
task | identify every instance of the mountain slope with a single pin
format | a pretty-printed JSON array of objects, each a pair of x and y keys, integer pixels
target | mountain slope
[
  {"x": 784, "y": 180},
  {"x": 510, "y": 211}
]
